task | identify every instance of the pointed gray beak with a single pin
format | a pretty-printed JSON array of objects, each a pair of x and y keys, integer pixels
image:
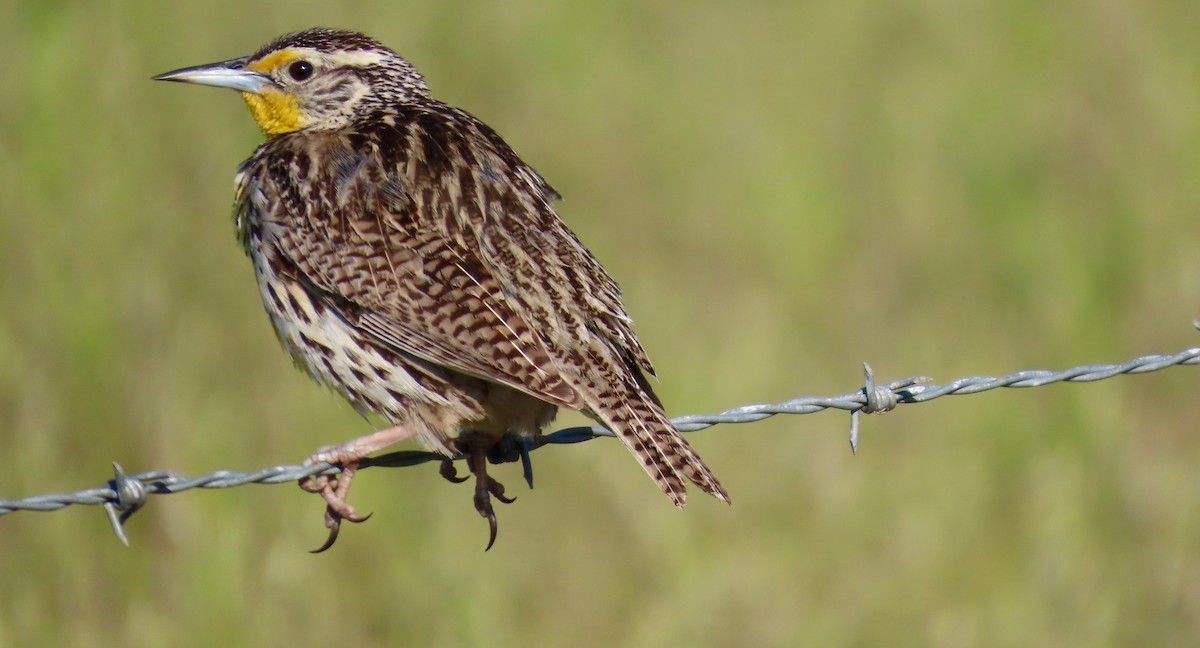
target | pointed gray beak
[{"x": 230, "y": 74}]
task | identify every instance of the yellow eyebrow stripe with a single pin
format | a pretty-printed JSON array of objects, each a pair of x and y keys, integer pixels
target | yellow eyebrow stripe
[{"x": 274, "y": 60}]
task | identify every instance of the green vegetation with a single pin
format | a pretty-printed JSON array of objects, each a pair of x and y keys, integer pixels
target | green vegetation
[{"x": 783, "y": 189}]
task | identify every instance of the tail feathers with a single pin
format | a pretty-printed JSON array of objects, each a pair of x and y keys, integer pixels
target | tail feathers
[
  {"x": 667, "y": 457},
  {"x": 694, "y": 468}
]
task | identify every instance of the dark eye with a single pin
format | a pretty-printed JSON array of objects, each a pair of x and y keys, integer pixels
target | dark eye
[{"x": 300, "y": 70}]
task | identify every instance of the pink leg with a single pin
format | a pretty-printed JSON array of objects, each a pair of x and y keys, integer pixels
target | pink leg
[{"x": 334, "y": 488}]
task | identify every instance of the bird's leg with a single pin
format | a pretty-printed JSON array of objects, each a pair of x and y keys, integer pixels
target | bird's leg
[
  {"x": 485, "y": 487},
  {"x": 511, "y": 447},
  {"x": 334, "y": 488},
  {"x": 507, "y": 448}
]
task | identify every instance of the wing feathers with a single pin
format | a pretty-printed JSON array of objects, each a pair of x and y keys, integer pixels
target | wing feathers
[{"x": 438, "y": 241}]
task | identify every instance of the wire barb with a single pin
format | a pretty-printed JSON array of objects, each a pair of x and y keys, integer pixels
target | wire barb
[
  {"x": 879, "y": 400},
  {"x": 126, "y": 494},
  {"x": 129, "y": 496}
]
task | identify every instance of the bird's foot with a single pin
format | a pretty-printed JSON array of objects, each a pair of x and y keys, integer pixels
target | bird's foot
[
  {"x": 485, "y": 486},
  {"x": 448, "y": 472},
  {"x": 485, "y": 489},
  {"x": 334, "y": 488}
]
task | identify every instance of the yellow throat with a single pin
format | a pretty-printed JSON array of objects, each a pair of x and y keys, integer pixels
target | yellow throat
[{"x": 276, "y": 112}]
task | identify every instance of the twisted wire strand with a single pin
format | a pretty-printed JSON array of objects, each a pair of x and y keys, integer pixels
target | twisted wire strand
[{"x": 125, "y": 494}]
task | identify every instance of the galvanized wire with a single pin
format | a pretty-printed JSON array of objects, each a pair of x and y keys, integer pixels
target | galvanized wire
[{"x": 125, "y": 494}]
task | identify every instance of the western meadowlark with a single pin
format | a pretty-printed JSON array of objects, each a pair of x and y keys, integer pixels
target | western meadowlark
[{"x": 411, "y": 261}]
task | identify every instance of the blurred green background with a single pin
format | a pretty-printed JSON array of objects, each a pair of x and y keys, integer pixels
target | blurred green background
[{"x": 784, "y": 190}]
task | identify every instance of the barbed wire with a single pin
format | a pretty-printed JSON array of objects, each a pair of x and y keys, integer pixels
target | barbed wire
[{"x": 125, "y": 494}]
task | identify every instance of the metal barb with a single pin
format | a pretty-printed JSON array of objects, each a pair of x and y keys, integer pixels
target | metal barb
[
  {"x": 854, "y": 432},
  {"x": 129, "y": 495},
  {"x": 880, "y": 399},
  {"x": 868, "y": 396}
]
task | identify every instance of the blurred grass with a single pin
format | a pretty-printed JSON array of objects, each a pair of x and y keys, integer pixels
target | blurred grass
[{"x": 784, "y": 190}]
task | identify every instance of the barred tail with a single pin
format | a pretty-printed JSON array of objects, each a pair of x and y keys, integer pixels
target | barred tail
[{"x": 634, "y": 413}]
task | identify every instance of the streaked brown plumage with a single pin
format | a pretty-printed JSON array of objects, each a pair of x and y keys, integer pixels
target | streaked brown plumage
[{"x": 411, "y": 261}]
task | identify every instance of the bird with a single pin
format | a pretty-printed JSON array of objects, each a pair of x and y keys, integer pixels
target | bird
[{"x": 412, "y": 262}]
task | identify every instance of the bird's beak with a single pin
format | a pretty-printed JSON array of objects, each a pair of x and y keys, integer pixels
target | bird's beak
[{"x": 230, "y": 74}]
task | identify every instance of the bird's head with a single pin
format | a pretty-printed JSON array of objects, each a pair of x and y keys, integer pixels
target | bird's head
[{"x": 316, "y": 80}]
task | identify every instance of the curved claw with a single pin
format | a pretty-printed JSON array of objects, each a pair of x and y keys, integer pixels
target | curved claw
[
  {"x": 333, "y": 535},
  {"x": 497, "y": 491},
  {"x": 448, "y": 472},
  {"x": 333, "y": 488},
  {"x": 491, "y": 516},
  {"x": 333, "y": 520},
  {"x": 483, "y": 505},
  {"x": 478, "y": 450}
]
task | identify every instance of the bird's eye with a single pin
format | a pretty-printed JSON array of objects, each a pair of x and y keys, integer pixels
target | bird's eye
[{"x": 300, "y": 70}]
